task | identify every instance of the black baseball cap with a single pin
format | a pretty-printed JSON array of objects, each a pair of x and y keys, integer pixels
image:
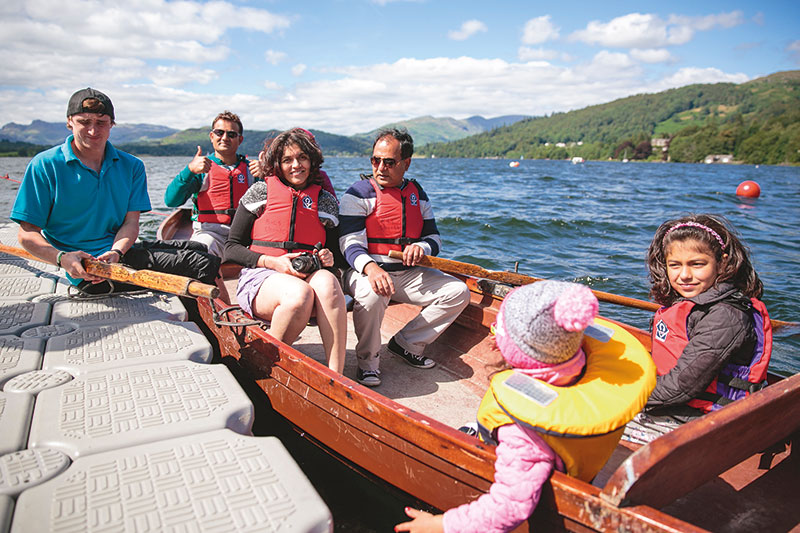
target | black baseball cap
[{"x": 76, "y": 103}]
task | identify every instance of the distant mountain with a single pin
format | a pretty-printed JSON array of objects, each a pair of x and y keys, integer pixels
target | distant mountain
[
  {"x": 757, "y": 121},
  {"x": 52, "y": 133},
  {"x": 149, "y": 139},
  {"x": 430, "y": 129},
  {"x": 487, "y": 124},
  {"x": 185, "y": 142}
]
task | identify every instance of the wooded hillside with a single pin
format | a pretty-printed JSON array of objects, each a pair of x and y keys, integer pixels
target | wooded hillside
[{"x": 757, "y": 122}]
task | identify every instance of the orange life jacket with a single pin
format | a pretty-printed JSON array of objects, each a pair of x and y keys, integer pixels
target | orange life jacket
[
  {"x": 290, "y": 221},
  {"x": 225, "y": 188},
  {"x": 734, "y": 381},
  {"x": 396, "y": 220}
]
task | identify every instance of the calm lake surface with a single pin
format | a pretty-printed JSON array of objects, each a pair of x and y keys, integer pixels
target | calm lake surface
[{"x": 589, "y": 222}]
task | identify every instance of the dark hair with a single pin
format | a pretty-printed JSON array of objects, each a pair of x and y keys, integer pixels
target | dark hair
[
  {"x": 231, "y": 117},
  {"x": 733, "y": 259},
  {"x": 402, "y": 135},
  {"x": 272, "y": 153}
]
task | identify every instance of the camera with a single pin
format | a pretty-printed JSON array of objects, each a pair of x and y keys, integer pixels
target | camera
[{"x": 307, "y": 262}]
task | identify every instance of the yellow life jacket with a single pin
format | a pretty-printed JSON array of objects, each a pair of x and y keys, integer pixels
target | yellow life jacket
[{"x": 582, "y": 422}]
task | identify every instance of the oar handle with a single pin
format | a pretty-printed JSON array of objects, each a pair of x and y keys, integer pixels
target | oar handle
[
  {"x": 513, "y": 278},
  {"x": 149, "y": 279}
]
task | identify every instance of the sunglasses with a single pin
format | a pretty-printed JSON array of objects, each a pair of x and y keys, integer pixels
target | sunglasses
[
  {"x": 221, "y": 133},
  {"x": 388, "y": 162}
]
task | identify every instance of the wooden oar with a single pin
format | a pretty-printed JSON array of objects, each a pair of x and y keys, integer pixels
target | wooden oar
[
  {"x": 149, "y": 279},
  {"x": 512, "y": 278}
]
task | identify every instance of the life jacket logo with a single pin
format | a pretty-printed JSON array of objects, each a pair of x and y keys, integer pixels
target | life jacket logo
[
  {"x": 412, "y": 198},
  {"x": 307, "y": 202},
  {"x": 240, "y": 178},
  {"x": 661, "y": 331}
]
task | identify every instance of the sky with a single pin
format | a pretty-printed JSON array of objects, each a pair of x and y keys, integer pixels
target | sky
[{"x": 350, "y": 66}]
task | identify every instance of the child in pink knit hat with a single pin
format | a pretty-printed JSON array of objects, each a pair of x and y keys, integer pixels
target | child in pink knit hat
[{"x": 539, "y": 331}]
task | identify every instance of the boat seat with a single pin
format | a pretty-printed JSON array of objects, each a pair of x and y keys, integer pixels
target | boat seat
[{"x": 703, "y": 449}]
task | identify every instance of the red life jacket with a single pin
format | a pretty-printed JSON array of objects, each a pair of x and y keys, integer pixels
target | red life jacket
[
  {"x": 290, "y": 221},
  {"x": 734, "y": 381},
  {"x": 225, "y": 188},
  {"x": 396, "y": 220}
]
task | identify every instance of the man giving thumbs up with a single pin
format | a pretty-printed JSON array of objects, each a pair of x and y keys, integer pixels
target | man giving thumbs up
[{"x": 215, "y": 183}]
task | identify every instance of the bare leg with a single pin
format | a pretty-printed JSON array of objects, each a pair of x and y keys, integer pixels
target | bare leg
[
  {"x": 287, "y": 302},
  {"x": 331, "y": 315}
]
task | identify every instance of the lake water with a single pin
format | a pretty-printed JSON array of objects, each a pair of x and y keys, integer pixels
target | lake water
[{"x": 589, "y": 222}]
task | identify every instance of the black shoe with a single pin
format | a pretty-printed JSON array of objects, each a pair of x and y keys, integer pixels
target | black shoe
[
  {"x": 417, "y": 361},
  {"x": 470, "y": 429},
  {"x": 368, "y": 378}
]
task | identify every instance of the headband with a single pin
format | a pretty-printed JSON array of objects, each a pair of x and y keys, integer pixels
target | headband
[{"x": 700, "y": 226}]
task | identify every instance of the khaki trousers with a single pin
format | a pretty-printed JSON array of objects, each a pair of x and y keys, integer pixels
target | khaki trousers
[{"x": 441, "y": 296}]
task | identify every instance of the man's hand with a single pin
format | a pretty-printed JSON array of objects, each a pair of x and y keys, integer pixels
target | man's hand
[
  {"x": 72, "y": 262},
  {"x": 256, "y": 170},
  {"x": 380, "y": 280},
  {"x": 199, "y": 164},
  {"x": 110, "y": 256},
  {"x": 412, "y": 254}
]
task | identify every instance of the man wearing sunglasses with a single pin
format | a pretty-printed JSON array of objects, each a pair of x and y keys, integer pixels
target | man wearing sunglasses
[
  {"x": 377, "y": 215},
  {"x": 215, "y": 183}
]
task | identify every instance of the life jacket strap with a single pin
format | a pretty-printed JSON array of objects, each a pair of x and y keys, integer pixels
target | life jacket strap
[
  {"x": 286, "y": 245},
  {"x": 399, "y": 240}
]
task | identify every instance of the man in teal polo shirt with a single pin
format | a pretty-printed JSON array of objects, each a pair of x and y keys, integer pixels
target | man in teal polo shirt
[
  {"x": 215, "y": 183},
  {"x": 82, "y": 200}
]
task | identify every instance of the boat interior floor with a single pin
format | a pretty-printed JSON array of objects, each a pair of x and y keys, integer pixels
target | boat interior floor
[{"x": 449, "y": 392}]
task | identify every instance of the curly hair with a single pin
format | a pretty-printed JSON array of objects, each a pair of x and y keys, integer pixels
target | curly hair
[
  {"x": 270, "y": 157},
  {"x": 732, "y": 256}
]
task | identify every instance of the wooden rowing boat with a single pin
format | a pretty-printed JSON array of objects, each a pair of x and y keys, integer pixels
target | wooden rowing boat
[{"x": 732, "y": 470}]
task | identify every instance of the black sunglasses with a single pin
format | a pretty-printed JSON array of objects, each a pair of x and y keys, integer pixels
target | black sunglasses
[
  {"x": 388, "y": 162},
  {"x": 221, "y": 133}
]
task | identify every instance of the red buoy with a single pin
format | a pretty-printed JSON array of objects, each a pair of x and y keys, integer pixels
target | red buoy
[{"x": 749, "y": 189}]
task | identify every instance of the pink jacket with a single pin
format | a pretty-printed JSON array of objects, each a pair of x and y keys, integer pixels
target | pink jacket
[{"x": 524, "y": 463}]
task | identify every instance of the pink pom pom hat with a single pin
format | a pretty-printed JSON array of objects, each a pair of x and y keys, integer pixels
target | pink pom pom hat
[{"x": 542, "y": 324}]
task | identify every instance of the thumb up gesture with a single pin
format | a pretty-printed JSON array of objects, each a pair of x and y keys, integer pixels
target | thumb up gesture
[{"x": 199, "y": 164}]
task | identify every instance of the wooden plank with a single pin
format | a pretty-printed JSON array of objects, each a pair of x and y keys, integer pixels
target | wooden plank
[{"x": 675, "y": 463}]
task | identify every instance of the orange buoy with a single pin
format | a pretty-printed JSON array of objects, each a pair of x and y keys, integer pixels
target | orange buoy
[
  {"x": 749, "y": 189},
  {"x": 514, "y": 164}
]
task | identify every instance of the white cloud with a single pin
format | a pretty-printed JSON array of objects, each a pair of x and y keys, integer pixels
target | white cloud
[
  {"x": 273, "y": 57},
  {"x": 539, "y": 30},
  {"x": 794, "y": 51},
  {"x": 357, "y": 99},
  {"x": 526, "y": 53},
  {"x": 176, "y": 76},
  {"x": 91, "y": 32},
  {"x": 691, "y": 75},
  {"x": 646, "y": 31},
  {"x": 298, "y": 69},
  {"x": 652, "y": 55},
  {"x": 467, "y": 30}
]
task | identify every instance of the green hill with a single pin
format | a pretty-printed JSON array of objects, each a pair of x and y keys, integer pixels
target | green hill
[
  {"x": 757, "y": 122},
  {"x": 428, "y": 129},
  {"x": 185, "y": 142}
]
